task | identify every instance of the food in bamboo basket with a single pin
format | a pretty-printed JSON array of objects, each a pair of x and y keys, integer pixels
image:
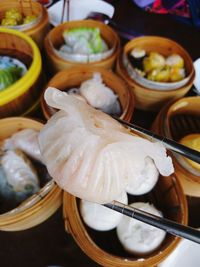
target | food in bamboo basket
[
  {"x": 14, "y": 17},
  {"x": 28, "y": 195},
  {"x": 104, "y": 247},
  {"x": 26, "y": 16},
  {"x": 137, "y": 237},
  {"x": 192, "y": 141},
  {"x": 84, "y": 45},
  {"x": 20, "y": 73},
  {"x": 99, "y": 87},
  {"x": 94, "y": 143},
  {"x": 157, "y": 68},
  {"x": 11, "y": 70},
  {"x": 99, "y": 217},
  {"x": 97, "y": 147},
  {"x": 89, "y": 42},
  {"x": 19, "y": 177},
  {"x": 180, "y": 121},
  {"x": 153, "y": 94},
  {"x": 98, "y": 95}
]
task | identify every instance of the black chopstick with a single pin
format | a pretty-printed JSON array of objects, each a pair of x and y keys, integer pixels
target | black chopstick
[
  {"x": 169, "y": 226},
  {"x": 168, "y": 143}
]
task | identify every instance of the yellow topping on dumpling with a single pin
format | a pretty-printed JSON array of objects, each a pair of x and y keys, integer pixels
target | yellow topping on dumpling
[
  {"x": 13, "y": 14},
  {"x": 192, "y": 141},
  {"x": 153, "y": 61}
]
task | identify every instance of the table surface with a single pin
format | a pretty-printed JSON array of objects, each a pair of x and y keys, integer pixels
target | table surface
[{"x": 48, "y": 244}]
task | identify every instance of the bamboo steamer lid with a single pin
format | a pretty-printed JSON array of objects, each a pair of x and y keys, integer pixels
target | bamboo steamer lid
[
  {"x": 20, "y": 96},
  {"x": 54, "y": 40},
  {"x": 104, "y": 248},
  {"x": 72, "y": 78},
  {"x": 38, "y": 30},
  {"x": 154, "y": 99},
  {"x": 41, "y": 205},
  {"x": 176, "y": 120}
]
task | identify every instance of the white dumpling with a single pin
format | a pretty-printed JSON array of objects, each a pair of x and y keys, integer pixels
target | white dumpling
[
  {"x": 89, "y": 154},
  {"x": 19, "y": 172},
  {"x": 98, "y": 94},
  {"x": 144, "y": 179},
  {"x": 137, "y": 237},
  {"x": 25, "y": 140},
  {"x": 99, "y": 217}
]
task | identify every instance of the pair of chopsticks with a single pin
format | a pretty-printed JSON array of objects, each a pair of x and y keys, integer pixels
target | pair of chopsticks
[
  {"x": 162, "y": 223},
  {"x": 169, "y": 226},
  {"x": 168, "y": 143},
  {"x": 63, "y": 10}
]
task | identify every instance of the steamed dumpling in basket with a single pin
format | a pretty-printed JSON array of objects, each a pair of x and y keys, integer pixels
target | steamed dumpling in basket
[
  {"x": 92, "y": 156},
  {"x": 84, "y": 45},
  {"x": 18, "y": 179}
]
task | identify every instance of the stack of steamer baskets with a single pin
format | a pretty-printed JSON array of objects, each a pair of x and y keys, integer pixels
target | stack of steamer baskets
[
  {"x": 68, "y": 73},
  {"x": 22, "y": 43}
]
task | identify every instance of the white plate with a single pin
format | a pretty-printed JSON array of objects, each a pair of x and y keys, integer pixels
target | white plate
[
  {"x": 187, "y": 254},
  {"x": 79, "y": 9},
  {"x": 197, "y": 75}
]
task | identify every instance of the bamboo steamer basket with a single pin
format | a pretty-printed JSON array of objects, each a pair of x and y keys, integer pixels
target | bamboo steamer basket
[
  {"x": 176, "y": 120},
  {"x": 41, "y": 205},
  {"x": 72, "y": 78},
  {"x": 24, "y": 93},
  {"x": 54, "y": 39},
  {"x": 40, "y": 29},
  {"x": 105, "y": 249},
  {"x": 154, "y": 99}
]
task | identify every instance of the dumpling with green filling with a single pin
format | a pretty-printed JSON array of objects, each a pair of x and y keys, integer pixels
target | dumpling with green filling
[
  {"x": 84, "y": 41},
  {"x": 11, "y": 70}
]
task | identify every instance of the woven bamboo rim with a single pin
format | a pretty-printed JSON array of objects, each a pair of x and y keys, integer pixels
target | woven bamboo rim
[
  {"x": 170, "y": 189},
  {"x": 38, "y": 30},
  {"x": 73, "y": 77},
  {"x": 164, "y": 126},
  {"x": 54, "y": 39},
  {"x": 40, "y": 206},
  {"x": 150, "y": 99}
]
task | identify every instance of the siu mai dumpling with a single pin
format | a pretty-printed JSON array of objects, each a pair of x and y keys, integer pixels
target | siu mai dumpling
[{"x": 89, "y": 154}]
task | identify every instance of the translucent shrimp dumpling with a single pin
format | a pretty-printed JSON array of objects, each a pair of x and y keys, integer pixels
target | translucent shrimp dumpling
[
  {"x": 91, "y": 155},
  {"x": 18, "y": 178},
  {"x": 27, "y": 141},
  {"x": 99, "y": 95}
]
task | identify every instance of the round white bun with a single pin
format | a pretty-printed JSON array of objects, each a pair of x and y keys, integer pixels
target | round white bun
[
  {"x": 143, "y": 179},
  {"x": 137, "y": 237},
  {"x": 99, "y": 217}
]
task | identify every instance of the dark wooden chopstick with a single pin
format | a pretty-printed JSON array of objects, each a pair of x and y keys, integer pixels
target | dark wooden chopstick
[
  {"x": 168, "y": 143},
  {"x": 169, "y": 226}
]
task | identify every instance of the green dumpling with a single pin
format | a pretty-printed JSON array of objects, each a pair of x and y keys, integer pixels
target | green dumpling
[{"x": 9, "y": 76}]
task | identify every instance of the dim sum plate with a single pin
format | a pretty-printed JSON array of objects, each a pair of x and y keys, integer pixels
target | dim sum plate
[
  {"x": 186, "y": 254},
  {"x": 79, "y": 9},
  {"x": 151, "y": 84}
]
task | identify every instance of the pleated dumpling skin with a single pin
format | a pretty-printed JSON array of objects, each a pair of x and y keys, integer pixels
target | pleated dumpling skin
[{"x": 89, "y": 154}]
